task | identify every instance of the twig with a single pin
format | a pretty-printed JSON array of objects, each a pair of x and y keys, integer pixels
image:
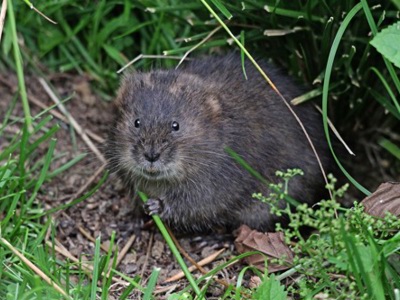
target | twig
[
  {"x": 141, "y": 56},
  {"x": 55, "y": 113},
  {"x": 201, "y": 263},
  {"x": 72, "y": 121},
  {"x": 125, "y": 249},
  {"x": 2, "y": 16},
  {"x": 95, "y": 136},
  {"x": 192, "y": 261},
  {"x": 336, "y": 133},
  {"x": 166, "y": 289},
  {"x": 61, "y": 117},
  {"x": 122, "y": 253},
  {"x": 184, "y": 253},
  {"x": 39, "y": 12},
  {"x": 147, "y": 254},
  {"x": 86, "y": 267},
  {"x": 198, "y": 45},
  {"x": 34, "y": 268}
]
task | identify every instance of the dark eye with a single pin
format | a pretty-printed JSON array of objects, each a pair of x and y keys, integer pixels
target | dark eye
[
  {"x": 137, "y": 123},
  {"x": 175, "y": 126}
]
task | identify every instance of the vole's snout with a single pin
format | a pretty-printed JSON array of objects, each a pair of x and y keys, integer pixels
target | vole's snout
[{"x": 151, "y": 155}]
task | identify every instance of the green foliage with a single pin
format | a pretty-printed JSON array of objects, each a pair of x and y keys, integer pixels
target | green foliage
[
  {"x": 386, "y": 42},
  {"x": 345, "y": 244},
  {"x": 270, "y": 289},
  {"x": 23, "y": 174}
]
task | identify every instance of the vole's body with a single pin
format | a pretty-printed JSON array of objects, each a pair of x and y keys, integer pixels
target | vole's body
[{"x": 172, "y": 128}]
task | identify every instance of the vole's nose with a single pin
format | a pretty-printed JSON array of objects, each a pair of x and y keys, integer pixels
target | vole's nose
[{"x": 152, "y": 155}]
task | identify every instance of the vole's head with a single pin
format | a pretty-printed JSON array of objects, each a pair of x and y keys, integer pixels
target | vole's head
[{"x": 167, "y": 126}]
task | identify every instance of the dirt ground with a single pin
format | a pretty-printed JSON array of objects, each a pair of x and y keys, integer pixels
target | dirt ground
[{"x": 109, "y": 209}]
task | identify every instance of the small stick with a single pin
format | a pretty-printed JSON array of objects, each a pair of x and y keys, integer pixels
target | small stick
[
  {"x": 198, "y": 45},
  {"x": 88, "y": 268},
  {"x": 72, "y": 121},
  {"x": 192, "y": 261},
  {"x": 34, "y": 268},
  {"x": 184, "y": 253},
  {"x": 55, "y": 113},
  {"x": 122, "y": 253},
  {"x": 95, "y": 136},
  {"x": 337, "y": 134},
  {"x": 39, "y": 12},
  {"x": 147, "y": 254},
  {"x": 201, "y": 263},
  {"x": 125, "y": 249},
  {"x": 59, "y": 116},
  {"x": 2, "y": 16},
  {"x": 169, "y": 289},
  {"x": 141, "y": 56}
]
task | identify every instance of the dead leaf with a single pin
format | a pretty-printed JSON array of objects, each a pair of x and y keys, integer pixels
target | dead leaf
[
  {"x": 271, "y": 244},
  {"x": 385, "y": 199},
  {"x": 254, "y": 282}
]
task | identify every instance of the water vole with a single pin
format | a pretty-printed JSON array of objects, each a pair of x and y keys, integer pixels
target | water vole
[{"x": 172, "y": 128}]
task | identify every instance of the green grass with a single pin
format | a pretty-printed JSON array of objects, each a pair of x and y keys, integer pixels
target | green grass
[{"x": 328, "y": 51}]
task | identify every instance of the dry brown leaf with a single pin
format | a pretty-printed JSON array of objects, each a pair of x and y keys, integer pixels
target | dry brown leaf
[
  {"x": 271, "y": 244},
  {"x": 254, "y": 282},
  {"x": 385, "y": 199}
]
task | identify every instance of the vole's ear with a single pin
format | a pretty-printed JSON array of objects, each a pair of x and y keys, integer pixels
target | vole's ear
[
  {"x": 129, "y": 84},
  {"x": 213, "y": 102},
  {"x": 123, "y": 91}
]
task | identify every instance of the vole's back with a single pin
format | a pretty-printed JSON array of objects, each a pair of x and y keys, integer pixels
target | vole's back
[{"x": 215, "y": 107}]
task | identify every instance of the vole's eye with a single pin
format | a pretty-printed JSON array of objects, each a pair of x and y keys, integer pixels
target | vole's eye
[
  {"x": 137, "y": 123},
  {"x": 175, "y": 126}
]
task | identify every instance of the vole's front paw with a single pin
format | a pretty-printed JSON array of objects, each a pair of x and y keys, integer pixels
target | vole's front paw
[{"x": 153, "y": 206}]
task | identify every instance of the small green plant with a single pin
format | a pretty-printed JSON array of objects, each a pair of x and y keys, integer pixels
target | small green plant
[
  {"x": 279, "y": 191},
  {"x": 269, "y": 289},
  {"x": 348, "y": 255}
]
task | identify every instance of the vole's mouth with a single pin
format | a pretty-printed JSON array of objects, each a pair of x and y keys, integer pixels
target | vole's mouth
[
  {"x": 156, "y": 171},
  {"x": 152, "y": 173}
]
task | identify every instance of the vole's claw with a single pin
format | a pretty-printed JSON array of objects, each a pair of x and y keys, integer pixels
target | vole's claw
[{"x": 153, "y": 207}]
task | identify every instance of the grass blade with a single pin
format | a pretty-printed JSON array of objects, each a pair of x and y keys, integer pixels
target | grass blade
[
  {"x": 327, "y": 76},
  {"x": 173, "y": 249},
  {"x": 222, "y": 9},
  {"x": 43, "y": 173},
  {"x": 390, "y": 147},
  {"x": 151, "y": 284},
  {"x": 96, "y": 272},
  {"x": 18, "y": 63}
]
